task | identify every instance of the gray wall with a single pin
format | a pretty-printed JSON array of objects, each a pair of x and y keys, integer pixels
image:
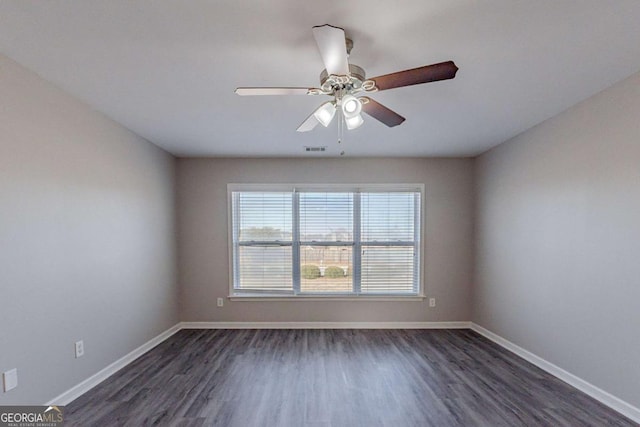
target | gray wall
[
  {"x": 558, "y": 240},
  {"x": 87, "y": 242},
  {"x": 203, "y": 243}
]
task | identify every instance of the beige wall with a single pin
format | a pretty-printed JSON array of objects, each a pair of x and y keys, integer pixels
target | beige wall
[
  {"x": 87, "y": 242},
  {"x": 558, "y": 240},
  {"x": 203, "y": 239}
]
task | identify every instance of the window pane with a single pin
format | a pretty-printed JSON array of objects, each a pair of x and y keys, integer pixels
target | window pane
[
  {"x": 264, "y": 216},
  {"x": 388, "y": 217},
  {"x": 263, "y": 248},
  {"x": 326, "y": 269},
  {"x": 388, "y": 269},
  {"x": 326, "y": 217},
  {"x": 264, "y": 268}
]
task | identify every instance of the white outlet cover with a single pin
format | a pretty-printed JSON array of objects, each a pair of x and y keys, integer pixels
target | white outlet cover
[
  {"x": 10, "y": 379},
  {"x": 79, "y": 349},
  {"x": 432, "y": 302}
]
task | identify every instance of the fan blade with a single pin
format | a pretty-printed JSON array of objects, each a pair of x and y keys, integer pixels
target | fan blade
[
  {"x": 381, "y": 113},
  {"x": 309, "y": 124},
  {"x": 415, "y": 76},
  {"x": 245, "y": 91},
  {"x": 333, "y": 48}
]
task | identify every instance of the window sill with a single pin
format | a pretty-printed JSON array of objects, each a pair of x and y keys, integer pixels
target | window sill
[{"x": 253, "y": 297}]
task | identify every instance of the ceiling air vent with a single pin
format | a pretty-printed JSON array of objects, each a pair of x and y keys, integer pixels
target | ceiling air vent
[{"x": 315, "y": 149}]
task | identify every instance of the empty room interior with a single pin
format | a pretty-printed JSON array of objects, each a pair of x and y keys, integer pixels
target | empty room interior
[{"x": 320, "y": 214}]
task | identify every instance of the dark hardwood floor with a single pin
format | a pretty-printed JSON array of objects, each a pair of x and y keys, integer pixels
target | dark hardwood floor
[{"x": 335, "y": 378}]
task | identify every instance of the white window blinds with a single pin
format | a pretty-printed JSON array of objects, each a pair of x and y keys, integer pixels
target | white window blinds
[
  {"x": 329, "y": 242},
  {"x": 326, "y": 217},
  {"x": 263, "y": 236},
  {"x": 326, "y": 239},
  {"x": 389, "y": 242},
  {"x": 388, "y": 217}
]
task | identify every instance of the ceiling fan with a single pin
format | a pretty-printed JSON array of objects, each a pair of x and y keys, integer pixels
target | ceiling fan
[{"x": 343, "y": 82}]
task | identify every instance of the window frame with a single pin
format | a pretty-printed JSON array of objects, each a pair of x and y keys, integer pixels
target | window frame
[{"x": 257, "y": 295}]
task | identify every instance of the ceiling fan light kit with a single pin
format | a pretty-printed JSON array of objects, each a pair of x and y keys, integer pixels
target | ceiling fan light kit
[{"x": 345, "y": 82}]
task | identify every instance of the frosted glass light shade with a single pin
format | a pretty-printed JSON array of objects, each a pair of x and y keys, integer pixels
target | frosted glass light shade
[
  {"x": 324, "y": 114},
  {"x": 351, "y": 106},
  {"x": 354, "y": 122}
]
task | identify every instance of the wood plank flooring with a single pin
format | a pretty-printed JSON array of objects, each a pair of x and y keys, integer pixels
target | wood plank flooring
[{"x": 325, "y": 378}]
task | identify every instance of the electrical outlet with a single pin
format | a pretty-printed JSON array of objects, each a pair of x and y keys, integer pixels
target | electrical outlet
[
  {"x": 432, "y": 302},
  {"x": 79, "y": 349},
  {"x": 10, "y": 379},
  {"x": 220, "y": 302}
]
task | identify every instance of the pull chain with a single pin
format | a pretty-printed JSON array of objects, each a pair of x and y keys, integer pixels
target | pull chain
[
  {"x": 340, "y": 123},
  {"x": 340, "y": 131},
  {"x": 340, "y": 128}
]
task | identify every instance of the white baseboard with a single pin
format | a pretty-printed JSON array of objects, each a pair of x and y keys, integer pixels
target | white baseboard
[
  {"x": 325, "y": 325},
  {"x": 604, "y": 397},
  {"x": 86, "y": 385}
]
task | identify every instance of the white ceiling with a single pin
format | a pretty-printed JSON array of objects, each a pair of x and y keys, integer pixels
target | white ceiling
[{"x": 167, "y": 69}]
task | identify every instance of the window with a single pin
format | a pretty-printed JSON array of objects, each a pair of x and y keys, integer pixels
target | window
[{"x": 325, "y": 241}]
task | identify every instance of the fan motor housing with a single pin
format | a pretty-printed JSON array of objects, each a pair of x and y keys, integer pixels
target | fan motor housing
[{"x": 330, "y": 83}]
